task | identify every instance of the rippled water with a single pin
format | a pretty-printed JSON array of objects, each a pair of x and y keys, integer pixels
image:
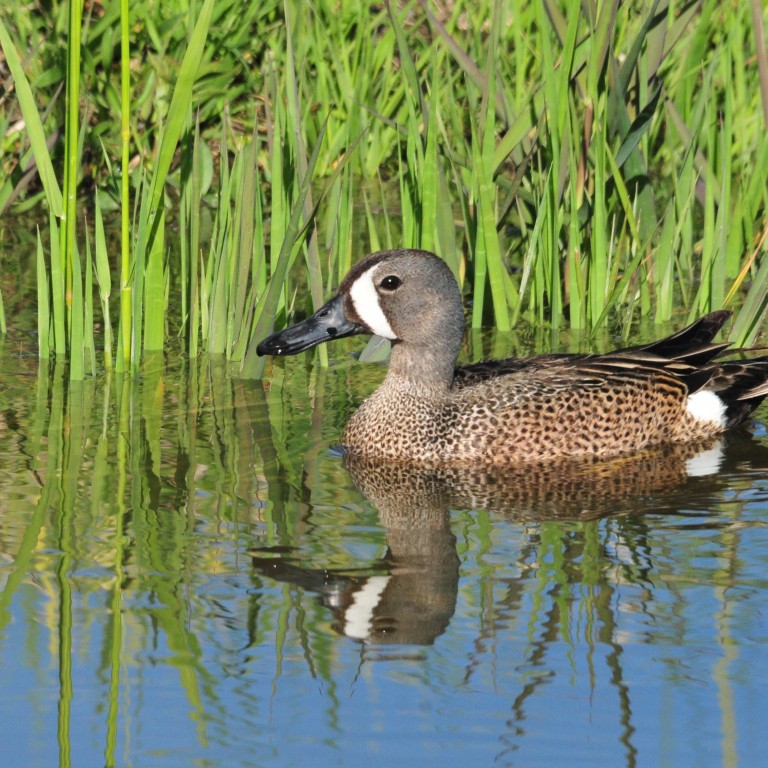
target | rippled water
[{"x": 191, "y": 576}]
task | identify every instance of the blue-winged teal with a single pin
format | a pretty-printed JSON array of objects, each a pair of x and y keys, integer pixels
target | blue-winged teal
[{"x": 506, "y": 411}]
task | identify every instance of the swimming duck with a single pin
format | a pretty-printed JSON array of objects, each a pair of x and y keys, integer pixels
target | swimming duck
[{"x": 515, "y": 410}]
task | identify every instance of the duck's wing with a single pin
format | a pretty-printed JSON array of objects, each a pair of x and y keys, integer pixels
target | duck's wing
[
  {"x": 681, "y": 353},
  {"x": 474, "y": 373}
]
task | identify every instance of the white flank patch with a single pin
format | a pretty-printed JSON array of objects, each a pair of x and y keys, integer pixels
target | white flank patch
[
  {"x": 706, "y": 406},
  {"x": 359, "y": 615},
  {"x": 705, "y": 463},
  {"x": 366, "y": 302}
]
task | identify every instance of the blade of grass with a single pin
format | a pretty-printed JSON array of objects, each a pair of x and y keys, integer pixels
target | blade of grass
[
  {"x": 126, "y": 297},
  {"x": 89, "y": 345},
  {"x": 758, "y": 30},
  {"x": 429, "y": 171},
  {"x": 76, "y": 346},
  {"x": 244, "y": 266},
  {"x": 44, "y": 335},
  {"x": 68, "y": 227},
  {"x": 155, "y": 292},
  {"x": 34, "y": 125},
  {"x": 103, "y": 280},
  {"x": 57, "y": 291}
]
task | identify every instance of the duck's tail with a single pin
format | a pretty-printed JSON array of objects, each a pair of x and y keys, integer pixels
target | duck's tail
[
  {"x": 741, "y": 385},
  {"x": 693, "y": 345}
]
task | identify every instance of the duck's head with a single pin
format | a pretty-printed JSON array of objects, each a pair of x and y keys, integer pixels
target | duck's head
[{"x": 409, "y": 297}]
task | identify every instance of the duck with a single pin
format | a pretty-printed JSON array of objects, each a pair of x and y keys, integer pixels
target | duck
[{"x": 430, "y": 411}]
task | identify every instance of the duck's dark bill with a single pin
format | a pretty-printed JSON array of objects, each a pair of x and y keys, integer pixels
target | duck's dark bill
[{"x": 329, "y": 322}]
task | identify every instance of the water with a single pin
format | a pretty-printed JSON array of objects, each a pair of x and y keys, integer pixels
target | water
[{"x": 191, "y": 576}]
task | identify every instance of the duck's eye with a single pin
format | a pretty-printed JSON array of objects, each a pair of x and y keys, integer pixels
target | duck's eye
[{"x": 390, "y": 282}]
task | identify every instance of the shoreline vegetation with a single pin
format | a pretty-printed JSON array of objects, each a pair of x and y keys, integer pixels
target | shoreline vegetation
[{"x": 576, "y": 164}]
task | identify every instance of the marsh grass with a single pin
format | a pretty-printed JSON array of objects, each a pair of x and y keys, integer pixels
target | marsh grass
[{"x": 574, "y": 164}]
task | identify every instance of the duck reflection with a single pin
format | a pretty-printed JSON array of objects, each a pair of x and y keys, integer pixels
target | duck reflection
[{"x": 411, "y": 596}]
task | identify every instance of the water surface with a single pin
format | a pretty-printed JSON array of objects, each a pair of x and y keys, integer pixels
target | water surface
[{"x": 190, "y": 575}]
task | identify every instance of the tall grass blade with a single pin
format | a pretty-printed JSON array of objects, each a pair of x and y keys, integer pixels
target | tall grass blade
[
  {"x": 191, "y": 259},
  {"x": 155, "y": 292},
  {"x": 33, "y": 123},
  {"x": 246, "y": 261},
  {"x": 68, "y": 227},
  {"x": 57, "y": 291},
  {"x": 429, "y": 176},
  {"x": 126, "y": 295},
  {"x": 103, "y": 281},
  {"x": 76, "y": 346},
  {"x": 44, "y": 335},
  {"x": 758, "y": 30},
  {"x": 89, "y": 341}
]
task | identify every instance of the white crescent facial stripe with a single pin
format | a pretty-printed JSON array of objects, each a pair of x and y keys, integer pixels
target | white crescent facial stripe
[
  {"x": 366, "y": 301},
  {"x": 706, "y": 406}
]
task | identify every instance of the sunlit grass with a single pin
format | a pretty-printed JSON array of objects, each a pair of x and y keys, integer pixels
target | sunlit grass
[{"x": 572, "y": 169}]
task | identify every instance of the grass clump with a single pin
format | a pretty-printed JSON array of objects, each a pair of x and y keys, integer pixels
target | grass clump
[{"x": 573, "y": 163}]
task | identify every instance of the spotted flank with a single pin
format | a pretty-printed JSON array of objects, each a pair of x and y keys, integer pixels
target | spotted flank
[{"x": 680, "y": 389}]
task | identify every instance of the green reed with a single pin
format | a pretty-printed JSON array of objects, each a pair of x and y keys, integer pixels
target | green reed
[
  {"x": 126, "y": 305},
  {"x": 572, "y": 164}
]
